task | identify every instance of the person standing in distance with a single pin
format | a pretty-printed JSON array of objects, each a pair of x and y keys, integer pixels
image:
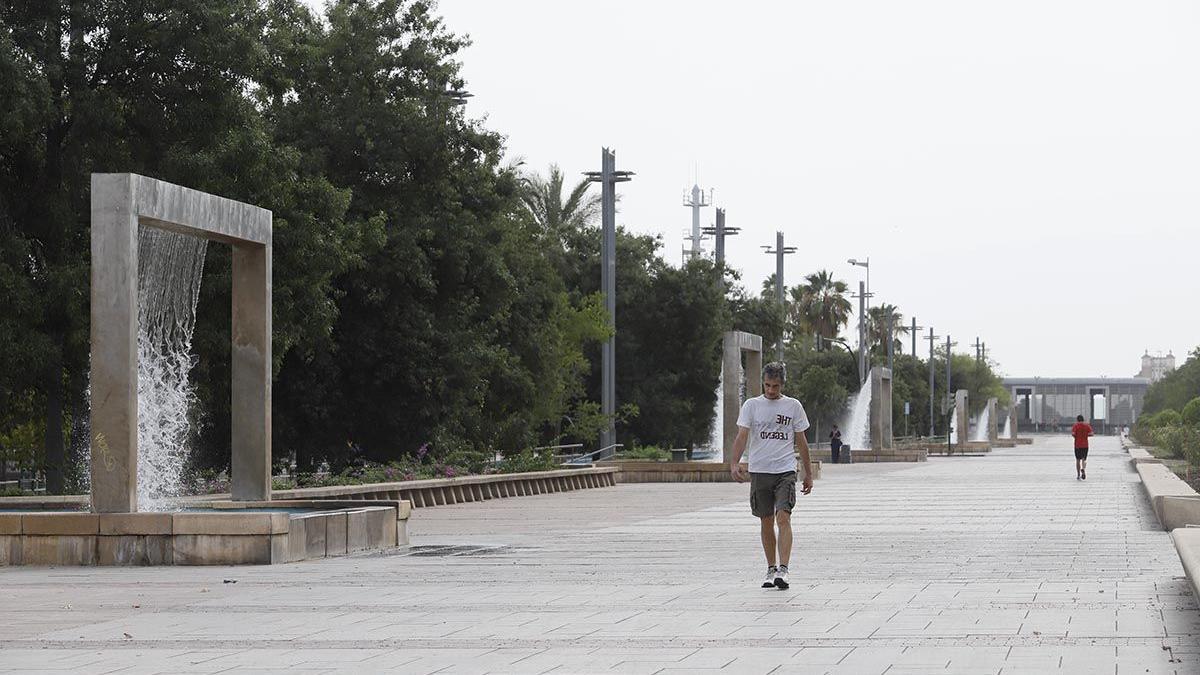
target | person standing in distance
[
  {"x": 773, "y": 426},
  {"x": 1081, "y": 431},
  {"x": 835, "y": 444}
]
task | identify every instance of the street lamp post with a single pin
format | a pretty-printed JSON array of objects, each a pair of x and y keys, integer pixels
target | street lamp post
[
  {"x": 864, "y": 357},
  {"x": 608, "y": 177}
]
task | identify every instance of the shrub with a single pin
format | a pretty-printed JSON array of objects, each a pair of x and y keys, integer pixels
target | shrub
[
  {"x": 1182, "y": 442},
  {"x": 1166, "y": 418},
  {"x": 529, "y": 460},
  {"x": 647, "y": 452},
  {"x": 1191, "y": 412}
]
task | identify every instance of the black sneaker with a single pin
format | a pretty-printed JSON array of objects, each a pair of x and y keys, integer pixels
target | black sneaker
[
  {"x": 1083, "y": 475},
  {"x": 781, "y": 577}
]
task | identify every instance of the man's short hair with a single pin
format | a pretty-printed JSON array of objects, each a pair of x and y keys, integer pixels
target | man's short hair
[
  {"x": 775, "y": 370},
  {"x": 1079, "y": 418}
]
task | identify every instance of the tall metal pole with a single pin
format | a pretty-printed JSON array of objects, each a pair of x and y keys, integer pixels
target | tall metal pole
[
  {"x": 718, "y": 232},
  {"x": 862, "y": 333},
  {"x": 720, "y": 238},
  {"x": 932, "y": 417},
  {"x": 891, "y": 344},
  {"x": 780, "y": 250},
  {"x": 948, "y": 392},
  {"x": 914, "y": 337},
  {"x": 779, "y": 253},
  {"x": 609, "y": 282},
  {"x": 608, "y": 177}
]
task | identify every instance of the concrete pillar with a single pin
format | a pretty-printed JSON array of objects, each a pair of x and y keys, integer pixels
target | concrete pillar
[
  {"x": 1012, "y": 416},
  {"x": 881, "y": 408},
  {"x": 754, "y": 366},
  {"x": 734, "y": 344},
  {"x": 993, "y": 431},
  {"x": 962, "y": 416},
  {"x": 114, "y": 344},
  {"x": 731, "y": 399},
  {"x": 251, "y": 366}
]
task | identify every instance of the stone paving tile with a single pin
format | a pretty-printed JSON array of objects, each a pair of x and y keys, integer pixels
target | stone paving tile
[{"x": 999, "y": 564}]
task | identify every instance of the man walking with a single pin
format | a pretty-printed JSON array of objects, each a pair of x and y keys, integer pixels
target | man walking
[
  {"x": 773, "y": 426},
  {"x": 1081, "y": 431}
]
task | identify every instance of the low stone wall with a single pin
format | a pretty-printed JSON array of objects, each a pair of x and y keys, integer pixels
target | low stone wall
[
  {"x": 1175, "y": 502},
  {"x": 873, "y": 456},
  {"x": 1187, "y": 542},
  {"x": 443, "y": 491},
  {"x": 228, "y": 534},
  {"x": 1142, "y": 456},
  {"x": 646, "y": 471}
]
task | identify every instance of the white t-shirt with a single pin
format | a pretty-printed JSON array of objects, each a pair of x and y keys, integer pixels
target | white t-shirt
[{"x": 772, "y": 425}]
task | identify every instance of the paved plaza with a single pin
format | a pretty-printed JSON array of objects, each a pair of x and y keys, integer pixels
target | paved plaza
[{"x": 998, "y": 564}]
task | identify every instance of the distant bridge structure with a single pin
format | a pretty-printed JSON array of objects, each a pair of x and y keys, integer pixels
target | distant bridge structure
[{"x": 1051, "y": 403}]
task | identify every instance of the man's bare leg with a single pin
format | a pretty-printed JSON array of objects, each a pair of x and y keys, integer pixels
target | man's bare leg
[
  {"x": 767, "y": 530},
  {"x": 784, "y": 519}
]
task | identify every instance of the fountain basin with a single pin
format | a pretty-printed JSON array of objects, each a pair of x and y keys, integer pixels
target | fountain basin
[{"x": 212, "y": 533}]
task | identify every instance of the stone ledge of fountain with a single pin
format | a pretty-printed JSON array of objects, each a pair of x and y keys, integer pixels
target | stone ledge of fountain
[
  {"x": 649, "y": 471},
  {"x": 217, "y": 533}
]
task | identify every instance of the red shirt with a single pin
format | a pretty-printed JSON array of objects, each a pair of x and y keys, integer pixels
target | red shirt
[{"x": 1081, "y": 431}]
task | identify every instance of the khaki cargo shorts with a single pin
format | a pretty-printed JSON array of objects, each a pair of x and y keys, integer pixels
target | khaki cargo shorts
[{"x": 771, "y": 492}]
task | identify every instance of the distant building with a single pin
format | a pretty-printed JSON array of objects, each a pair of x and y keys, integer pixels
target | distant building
[
  {"x": 1155, "y": 368},
  {"x": 1051, "y": 403}
]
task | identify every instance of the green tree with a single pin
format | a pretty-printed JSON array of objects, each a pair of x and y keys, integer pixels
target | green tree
[
  {"x": 160, "y": 88},
  {"x": 1177, "y": 388},
  {"x": 757, "y": 315},
  {"x": 1191, "y": 412},
  {"x": 559, "y": 218},
  {"x": 910, "y": 383},
  {"x": 820, "y": 391},
  {"x": 877, "y": 329},
  {"x": 819, "y": 306}
]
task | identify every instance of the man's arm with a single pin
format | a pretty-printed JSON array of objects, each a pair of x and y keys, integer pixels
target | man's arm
[
  {"x": 739, "y": 447},
  {"x": 805, "y": 461}
]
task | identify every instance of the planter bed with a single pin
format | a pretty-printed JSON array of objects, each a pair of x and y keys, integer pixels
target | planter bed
[{"x": 444, "y": 491}]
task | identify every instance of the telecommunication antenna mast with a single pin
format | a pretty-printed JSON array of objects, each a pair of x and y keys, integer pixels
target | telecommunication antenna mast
[{"x": 696, "y": 201}]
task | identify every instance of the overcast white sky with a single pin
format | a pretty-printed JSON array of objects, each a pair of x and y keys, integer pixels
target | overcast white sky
[{"x": 1023, "y": 171}]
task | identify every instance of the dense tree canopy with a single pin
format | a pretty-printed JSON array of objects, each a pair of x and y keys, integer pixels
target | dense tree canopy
[
  {"x": 425, "y": 293},
  {"x": 1174, "y": 391}
]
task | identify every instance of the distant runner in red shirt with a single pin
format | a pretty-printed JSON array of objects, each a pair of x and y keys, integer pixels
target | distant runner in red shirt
[{"x": 1081, "y": 431}]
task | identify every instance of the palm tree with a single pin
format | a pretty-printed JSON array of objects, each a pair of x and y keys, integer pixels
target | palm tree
[
  {"x": 820, "y": 305},
  {"x": 768, "y": 288},
  {"x": 554, "y": 216},
  {"x": 877, "y": 325}
]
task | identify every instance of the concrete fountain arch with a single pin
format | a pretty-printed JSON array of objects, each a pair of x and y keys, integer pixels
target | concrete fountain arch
[{"x": 121, "y": 202}]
